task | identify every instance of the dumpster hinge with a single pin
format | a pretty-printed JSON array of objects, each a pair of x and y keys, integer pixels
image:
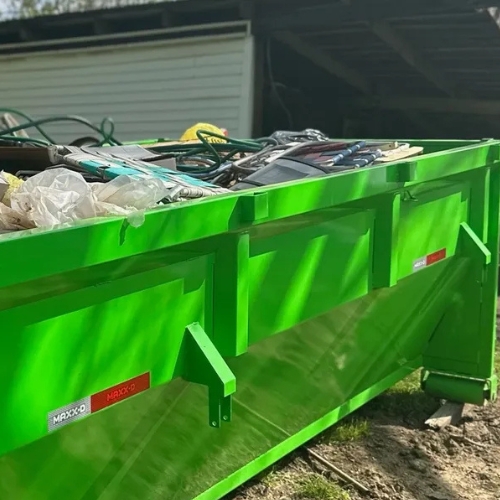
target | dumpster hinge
[
  {"x": 202, "y": 364},
  {"x": 459, "y": 388}
]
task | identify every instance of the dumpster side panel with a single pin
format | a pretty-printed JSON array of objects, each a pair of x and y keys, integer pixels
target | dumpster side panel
[
  {"x": 93, "y": 345},
  {"x": 429, "y": 224},
  {"x": 291, "y": 386},
  {"x": 293, "y": 271}
]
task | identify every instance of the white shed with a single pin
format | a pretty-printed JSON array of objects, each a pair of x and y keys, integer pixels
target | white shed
[{"x": 151, "y": 89}]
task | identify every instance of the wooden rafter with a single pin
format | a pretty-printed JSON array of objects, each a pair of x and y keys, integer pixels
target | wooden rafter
[
  {"x": 340, "y": 70},
  {"x": 325, "y": 61},
  {"x": 481, "y": 107},
  {"x": 412, "y": 56},
  {"x": 337, "y": 14}
]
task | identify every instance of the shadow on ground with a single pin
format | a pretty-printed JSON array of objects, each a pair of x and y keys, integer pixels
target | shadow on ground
[{"x": 386, "y": 447}]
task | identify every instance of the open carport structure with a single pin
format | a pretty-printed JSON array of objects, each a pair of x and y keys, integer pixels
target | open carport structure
[{"x": 388, "y": 67}]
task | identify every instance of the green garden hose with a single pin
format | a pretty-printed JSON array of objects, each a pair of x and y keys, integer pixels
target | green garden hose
[{"x": 106, "y": 128}]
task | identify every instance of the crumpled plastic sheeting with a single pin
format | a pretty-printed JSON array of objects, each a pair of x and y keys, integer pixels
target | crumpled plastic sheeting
[
  {"x": 60, "y": 196},
  {"x": 12, "y": 220}
]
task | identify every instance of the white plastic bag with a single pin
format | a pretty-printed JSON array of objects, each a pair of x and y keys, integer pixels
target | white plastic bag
[
  {"x": 128, "y": 196},
  {"x": 60, "y": 196},
  {"x": 11, "y": 220},
  {"x": 55, "y": 196},
  {"x": 130, "y": 193}
]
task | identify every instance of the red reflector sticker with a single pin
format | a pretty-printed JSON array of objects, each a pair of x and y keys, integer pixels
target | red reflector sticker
[
  {"x": 119, "y": 392},
  {"x": 436, "y": 256},
  {"x": 99, "y": 401},
  {"x": 429, "y": 259}
]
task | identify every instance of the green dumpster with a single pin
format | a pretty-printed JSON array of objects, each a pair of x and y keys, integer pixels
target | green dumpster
[{"x": 177, "y": 359}]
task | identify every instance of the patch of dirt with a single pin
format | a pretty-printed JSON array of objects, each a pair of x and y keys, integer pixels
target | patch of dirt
[
  {"x": 401, "y": 460},
  {"x": 397, "y": 458}
]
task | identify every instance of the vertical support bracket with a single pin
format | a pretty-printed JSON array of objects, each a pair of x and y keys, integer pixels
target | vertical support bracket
[
  {"x": 385, "y": 266},
  {"x": 254, "y": 207},
  {"x": 231, "y": 293},
  {"x": 402, "y": 172},
  {"x": 202, "y": 364},
  {"x": 486, "y": 256}
]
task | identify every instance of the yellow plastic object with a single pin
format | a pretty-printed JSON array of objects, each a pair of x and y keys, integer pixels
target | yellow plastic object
[
  {"x": 190, "y": 133},
  {"x": 14, "y": 183}
]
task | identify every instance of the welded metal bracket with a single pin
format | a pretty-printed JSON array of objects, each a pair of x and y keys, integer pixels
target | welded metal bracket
[
  {"x": 476, "y": 249},
  {"x": 402, "y": 172},
  {"x": 204, "y": 365},
  {"x": 254, "y": 207},
  {"x": 473, "y": 245}
]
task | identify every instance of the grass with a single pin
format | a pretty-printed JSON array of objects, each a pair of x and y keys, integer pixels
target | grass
[
  {"x": 403, "y": 399},
  {"x": 408, "y": 385},
  {"x": 316, "y": 487},
  {"x": 351, "y": 430},
  {"x": 271, "y": 478}
]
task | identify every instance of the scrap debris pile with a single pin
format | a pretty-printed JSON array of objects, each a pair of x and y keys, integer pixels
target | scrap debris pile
[{"x": 44, "y": 184}]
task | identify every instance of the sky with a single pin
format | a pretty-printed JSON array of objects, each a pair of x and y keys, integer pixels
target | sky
[{"x": 3, "y": 8}]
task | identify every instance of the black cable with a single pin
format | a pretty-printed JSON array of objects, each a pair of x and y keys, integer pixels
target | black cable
[{"x": 273, "y": 84}]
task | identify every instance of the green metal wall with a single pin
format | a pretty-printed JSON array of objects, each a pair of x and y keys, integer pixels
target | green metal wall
[{"x": 294, "y": 305}]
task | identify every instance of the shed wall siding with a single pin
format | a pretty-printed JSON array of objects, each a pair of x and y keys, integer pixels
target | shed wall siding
[{"x": 150, "y": 90}]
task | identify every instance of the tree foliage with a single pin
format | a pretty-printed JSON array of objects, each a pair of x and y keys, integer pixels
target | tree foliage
[{"x": 30, "y": 8}]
